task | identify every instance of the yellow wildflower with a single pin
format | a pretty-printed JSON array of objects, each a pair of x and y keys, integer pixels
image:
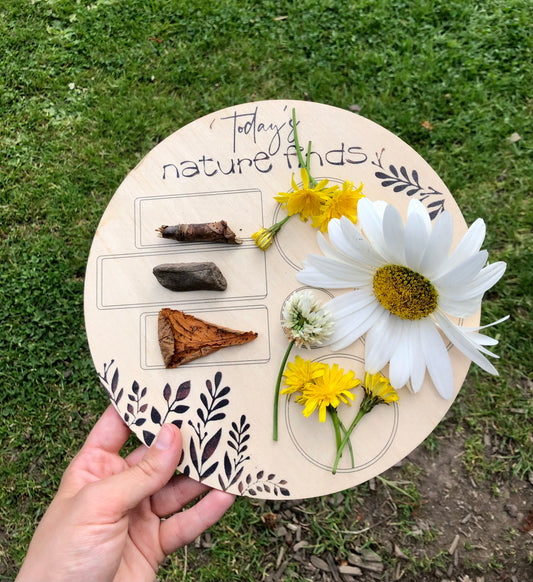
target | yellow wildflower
[
  {"x": 307, "y": 200},
  {"x": 264, "y": 237},
  {"x": 341, "y": 202},
  {"x": 299, "y": 373},
  {"x": 329, "y": 389},
  {"x": 378, "y": 390}
]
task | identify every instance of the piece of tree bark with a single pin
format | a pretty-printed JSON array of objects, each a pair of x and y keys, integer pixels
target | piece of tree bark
[
  {"x": 216, "y": 232},
  {"x": 183, "y": 337},
  {"x": 190, "y": 276}
]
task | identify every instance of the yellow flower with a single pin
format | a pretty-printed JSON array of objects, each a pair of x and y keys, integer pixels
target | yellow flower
[
  {"x": 342, "y": 202},
  {"x": 378, "y": 390},
  {"x": 264, "y": 237},
  {"x": 329, "y": 389},
  {"x": 305, "y": 201},
  {"x": 299, "y": 373}
]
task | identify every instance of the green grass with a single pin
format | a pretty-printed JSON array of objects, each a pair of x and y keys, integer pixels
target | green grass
[{"x": 86, "y": 90}]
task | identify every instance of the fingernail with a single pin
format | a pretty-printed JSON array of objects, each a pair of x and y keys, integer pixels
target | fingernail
[{"x": 164, "y": 438}]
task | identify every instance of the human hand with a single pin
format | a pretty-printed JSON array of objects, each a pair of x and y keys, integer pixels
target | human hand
[{"x": 106, "y": 520}]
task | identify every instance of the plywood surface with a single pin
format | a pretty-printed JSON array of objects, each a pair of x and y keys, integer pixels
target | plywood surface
[{"x": 228, "y": 166}]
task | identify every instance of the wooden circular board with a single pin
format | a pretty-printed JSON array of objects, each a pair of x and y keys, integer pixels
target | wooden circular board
[{"x": 228, "y": 166}]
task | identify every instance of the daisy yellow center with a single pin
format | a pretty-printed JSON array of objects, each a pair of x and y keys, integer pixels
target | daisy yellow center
[{"x": 404, "y": 292}]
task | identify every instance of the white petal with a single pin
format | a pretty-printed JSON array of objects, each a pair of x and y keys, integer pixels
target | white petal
[
  {"x": 462, "y": 342},
  {"x": 349, "y": 303},
  {"x": 468, "y": 246},
  {"x": 472, "y": 333},
  {"x": 380, "y": 206},
  {"x": 418, "y": 366},
  {"x": 505, "y": 318},
  {"x": 438, "y": 246},
  {"x": 349, "y": 240},
  {"x": 336, "y": 274},
  {"x": 461, "y": 275},
  {"x": 400, "y": 363},
  {"x": 380, "y": 342},
  {"x": 484, "y": 280},
  {"x": 371, "y": 223},
  {"x": 393, "y": 234},
  {"x": 437, "y": 358},
  {"x": 459, "y": 307},
  {"x": 416, "y": 239},
  {"x": 330, "y": 251},
  {"x": 482, "y": 339},
  {"x": 487, "y": 277},
  {"x": 314, "y": 278},
  {"x": 466, "y": 300},
  {"x": 351, "y": 329},
  {"x": 417, "y": 208}
]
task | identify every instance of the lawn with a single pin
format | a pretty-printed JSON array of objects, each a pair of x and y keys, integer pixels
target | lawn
[{"x": 88, "y": 89}]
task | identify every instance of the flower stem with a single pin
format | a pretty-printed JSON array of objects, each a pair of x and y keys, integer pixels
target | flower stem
[
  {"x": 276, "y": 227},
  {"x": 349, "y": 444},
  {"x": 336, "y": 425},
  {"x": 303, "y": 164},
  {"x": 346, "y": 438},
  {"x": 278, "y": 385}
]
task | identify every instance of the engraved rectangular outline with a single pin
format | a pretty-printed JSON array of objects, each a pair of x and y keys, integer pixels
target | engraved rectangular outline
[
  {"x": 138, "y": 210},
  {"x": 182, "y": 300},
  {"x": 199, "y": 363}
]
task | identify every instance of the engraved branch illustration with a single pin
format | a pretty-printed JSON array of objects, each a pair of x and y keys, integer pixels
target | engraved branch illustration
[{"x": 401, "y": 181}]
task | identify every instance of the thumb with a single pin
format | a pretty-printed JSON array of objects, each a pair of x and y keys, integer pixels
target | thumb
[{"x": 151, "y": 473}]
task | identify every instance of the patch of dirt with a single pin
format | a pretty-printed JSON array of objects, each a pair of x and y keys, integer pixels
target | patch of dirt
[
  {"x": 483, "y": 527},
  {"x": 425, "y": 520}
]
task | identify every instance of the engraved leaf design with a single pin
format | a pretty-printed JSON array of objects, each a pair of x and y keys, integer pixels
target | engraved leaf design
[
  {"x": 193, "y": 454},
  {"x": 237, "y": 477},
  {"x": 224, "y": 391},
  {"x": 180, "y": 409},
  {"x": 218, "y": 416},
  {"x": 183, "y": 391},
  {"x": 227, "y": 465},
  {"x": 155, "y": 416},
  {"x": 209, "y": 471},
  {"x": 211, "y": 446},
  {"x": 148, "y": 437},
  {"x": 220, "y": 404},
  {"x": 114, "y": 382}
]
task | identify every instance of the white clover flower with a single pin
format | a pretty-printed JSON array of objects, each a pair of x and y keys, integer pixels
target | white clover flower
[
  {"x": 408, "y": 284},
  {"x": 305, "y": 321}
]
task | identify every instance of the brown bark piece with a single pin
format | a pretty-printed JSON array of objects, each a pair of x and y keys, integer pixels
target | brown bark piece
[
  {"x": 190, "y": 276},
  {"x": 183, "y": 337},
  {"x": 216, "y": 232}
]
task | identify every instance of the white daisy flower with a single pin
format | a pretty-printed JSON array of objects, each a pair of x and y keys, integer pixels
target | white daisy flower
[{"x": 407, "y": 287}]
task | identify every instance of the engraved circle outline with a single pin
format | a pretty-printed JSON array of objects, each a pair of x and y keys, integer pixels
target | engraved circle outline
[{"x": 357, "y": 468}]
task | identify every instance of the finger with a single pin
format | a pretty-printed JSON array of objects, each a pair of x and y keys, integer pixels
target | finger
[
  {"x": 110, "y": 432},
  {"x": 136, "y": 455},
  {"x": 175, "y": 495},
  {"x": 126, "y": 490},
  {"x": 182, "y": 528}
]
